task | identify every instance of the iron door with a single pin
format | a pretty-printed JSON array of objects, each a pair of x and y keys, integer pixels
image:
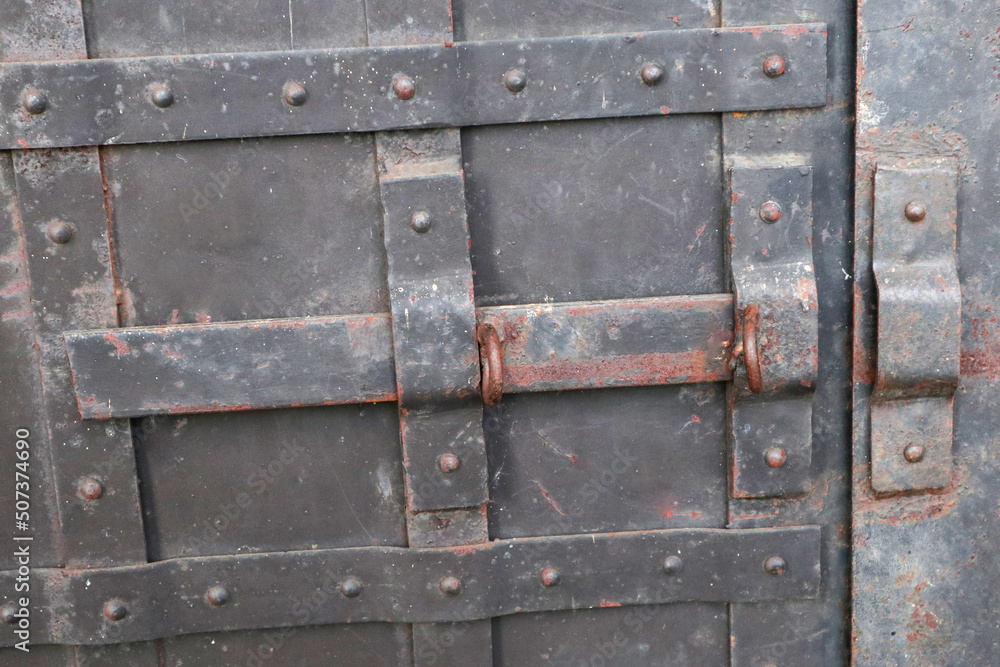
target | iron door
[
  {"x": 435, "y": 333},
  {"x": 925, "y": 437}
]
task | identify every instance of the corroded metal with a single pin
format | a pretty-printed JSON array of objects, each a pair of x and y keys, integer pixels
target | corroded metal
[
  {"x": 772, "y": 264},
  {"x": 454, "y": 584},
  {"x": 105, "y": 101},
  {"x": 292, "y": 362},
  {"x": 919, "y": 326}
]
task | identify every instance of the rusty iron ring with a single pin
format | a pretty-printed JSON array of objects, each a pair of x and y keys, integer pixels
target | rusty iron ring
[
  {"x": 491, "y": 360},
  {"x": 751, "y": 355}
]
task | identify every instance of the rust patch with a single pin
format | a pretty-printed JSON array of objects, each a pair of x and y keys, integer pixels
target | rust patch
[{"x": 121, "y": 347}]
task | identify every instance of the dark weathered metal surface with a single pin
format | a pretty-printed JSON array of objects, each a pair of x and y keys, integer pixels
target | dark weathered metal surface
[
  {"x": 72, "y": 287},
  {"x": 919, "y": 326},
  {"x": 94, "y": 102},
  {"x": 499, "y": 578},
  {"x": 433, "y": 319},
  {"x": 232, "y": 366},
  {"x": 617, "y": 343},
  {"x": 816, "y": 631},
  {"x": 925, "y": 565},
  {"x": 772, "y": 264},
  {"x": 606, "y": 460}
]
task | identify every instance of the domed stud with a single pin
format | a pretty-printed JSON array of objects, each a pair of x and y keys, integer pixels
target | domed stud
[
  {"x": 217, "y": 596},
  {"x": 774, "y": 66},
  {"x": 404, "y": 87},
  {"x": 450, "y": 585},
  {"x": 59, "y": 232},
  {"x": 651, "y": 74},
  {"x": 550, "y": 577},
  {"x": 34, "y": 101},
  {"x": 770, "y": 212},
  {"x": 515, "y": 80},
  {"x": 914, "y": 453},
  {"x": 672, "y": 565},
  {"x": 115, "y": 610},
  {"x": 915, "y": 211},
  {"x": 161, "y": 95},
  {"x": 350, "y": 587},
  {"x": 91, "y": 489},
  {"x": 449, "y": 463},
  {"x": 421, "y": 222},
  {"x": 295, "y": 94},
  {"x": 775, "y": 457},
  {"x": 775, "y": 565}
]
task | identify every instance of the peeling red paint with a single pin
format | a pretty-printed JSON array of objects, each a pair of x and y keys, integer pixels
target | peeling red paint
[{"x": 121, "y": 347}]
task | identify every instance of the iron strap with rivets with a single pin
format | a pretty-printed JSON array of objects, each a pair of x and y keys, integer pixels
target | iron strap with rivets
[
  {"x": 366, "y": 584},
  {"x": 189, "y": 97}
]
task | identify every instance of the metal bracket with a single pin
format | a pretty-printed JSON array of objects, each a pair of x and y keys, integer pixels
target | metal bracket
[
  {"x": 433, "y": 320},
  {"x": 919, "y": 327},
  {"x": 777, "y": 330},
  {"x": 164, "y": 98}
]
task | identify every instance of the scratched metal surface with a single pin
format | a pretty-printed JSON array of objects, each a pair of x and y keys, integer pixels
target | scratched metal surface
[
  {"x": 292, "y": 227},
  {"x": 925, "y": 564}
]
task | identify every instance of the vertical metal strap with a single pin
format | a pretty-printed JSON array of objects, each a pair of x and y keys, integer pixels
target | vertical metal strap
[
  {"x": 60, "y": 199},
  {"x": 437, "y": 357}
]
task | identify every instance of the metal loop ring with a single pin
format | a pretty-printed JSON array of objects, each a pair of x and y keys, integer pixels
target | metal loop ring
[
  {"x": 491, "y": 360},
  {"x": 751, "y": 354}
]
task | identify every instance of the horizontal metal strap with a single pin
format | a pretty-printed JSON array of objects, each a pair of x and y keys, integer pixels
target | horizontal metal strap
[
  {"x": 498, "y": 578},
  {"x": 184, "y": 98},
  {"x": 280, "y": 363}
]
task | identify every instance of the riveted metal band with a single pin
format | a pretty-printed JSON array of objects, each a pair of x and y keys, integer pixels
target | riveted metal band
[
  {"x": 772, "y": 393},
  {"x": 405, "y": 585},
  {"x": 184, "y": 98},
  {"x": 277, "y": 363},
  {"x": 919, "y": 326}
]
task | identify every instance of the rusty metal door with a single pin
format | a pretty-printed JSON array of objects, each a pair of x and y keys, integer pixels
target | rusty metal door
[{"x": 429, "y": 332}]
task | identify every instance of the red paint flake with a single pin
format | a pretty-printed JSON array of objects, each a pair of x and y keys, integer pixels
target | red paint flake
[
  {"x": 795, "y": 30},
  {"x": 204, "y": 318},
  {"x": 551, "y": 502},
  {"x": 664, "y": 109},
  {"x": 121, "y": 347},
  {"x": 605, "y": 603}
]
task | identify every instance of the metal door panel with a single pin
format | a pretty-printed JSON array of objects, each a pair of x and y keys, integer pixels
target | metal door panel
[
  {"x": 117, "y": 28},
  {"x": 271, "y": 481},
  {"x": 193, "y": 252},
  {"x": 607, "y": 460},
  {"x": 523, "y": 18},
  {"x": 358, "y": 644},
  {"x": 231, "y": 230},
  {"x": 547, "y": 224},
  {"x": 660, "y": 636}
]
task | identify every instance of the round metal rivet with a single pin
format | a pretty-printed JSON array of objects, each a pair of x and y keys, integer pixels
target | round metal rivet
[
  {"x": 515, "y": 80},
  {"x": 914, "y": 453},
  {"x": 91, "y": 489},
  {"x": 217, "y": 596},
  {"x": 775, "y": 565},
  {"x": 7, "y": 613},
  {"x": 350, "y": 587},
  {"x": 34, "y": 101},
  {"x": 114, "y": 610},
  {"x": 549, "y": 577},
  {"x": 450, "y": 585},
  {"x": 774, "y": 66},
  {"x": 161, "y": 95},
  {"x": 915, "y": 211},
  {"x": 651, "y": 73},
  {"x": 449, "y": 462},
  {"x": 775, "y": 457},
  {"x": 404, "y": 87},
  {"x": 770, "y": 212},
  {"x": 672, "y": 565},
  {"x": 59, "y": 232},
  {"x": 295, "y": 94},
  {"x": 421, "y": 222}
]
